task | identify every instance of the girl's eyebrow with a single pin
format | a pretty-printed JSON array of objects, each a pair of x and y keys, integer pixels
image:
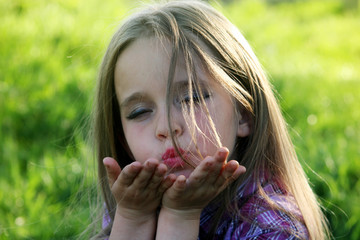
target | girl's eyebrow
[
  {"x": 133, "y": 98},
  {"x": 181, "y": 85},
  {"x": 140, "y": 96}
]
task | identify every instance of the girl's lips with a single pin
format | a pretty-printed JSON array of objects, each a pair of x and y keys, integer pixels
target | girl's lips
[
  {"x": 174, "y": 162},
  {"x": 172, "y": 159}
]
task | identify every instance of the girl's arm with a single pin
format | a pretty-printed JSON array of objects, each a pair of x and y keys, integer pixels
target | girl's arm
[
  {"x": 178, "y": 224},
  {"x": 138, "y": 190},
  {"x": 183, "y": 202},
  {"x": 126, "y": 228}
]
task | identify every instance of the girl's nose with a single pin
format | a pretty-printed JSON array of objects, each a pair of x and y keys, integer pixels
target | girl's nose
[{"x": 163, "y": 130}]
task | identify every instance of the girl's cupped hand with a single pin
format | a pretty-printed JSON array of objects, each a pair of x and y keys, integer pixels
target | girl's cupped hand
[
  {"x": 209, "y": 178},
  {"x": 138, "y": 188}
]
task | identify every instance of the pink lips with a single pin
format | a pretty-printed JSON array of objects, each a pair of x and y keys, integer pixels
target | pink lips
[{"x": 172, "y": 159}]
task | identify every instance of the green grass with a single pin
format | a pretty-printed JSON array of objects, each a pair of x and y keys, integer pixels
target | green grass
[{"x": 49, "y": 57}]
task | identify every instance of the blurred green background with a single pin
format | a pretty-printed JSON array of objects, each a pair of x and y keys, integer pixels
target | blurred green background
[{"x": 50, "y": 53}]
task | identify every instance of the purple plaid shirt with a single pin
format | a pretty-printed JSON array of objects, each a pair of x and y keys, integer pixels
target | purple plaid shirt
[{"x": 262, "y": 222}]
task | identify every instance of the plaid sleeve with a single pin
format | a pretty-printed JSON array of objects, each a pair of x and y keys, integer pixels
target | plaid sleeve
[
  {"x": 260, "y": 221},
  {"x": 256, "y": 218},
  {"x": 269, "y": 225}
]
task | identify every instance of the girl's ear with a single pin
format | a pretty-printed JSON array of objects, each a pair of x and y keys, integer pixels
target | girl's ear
[{"x": 245, "y": 124}]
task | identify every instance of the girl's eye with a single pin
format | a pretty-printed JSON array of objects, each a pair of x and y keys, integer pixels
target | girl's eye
[
  {"x": 138, "y": 112},
  {"x": 196, "y": 97}
]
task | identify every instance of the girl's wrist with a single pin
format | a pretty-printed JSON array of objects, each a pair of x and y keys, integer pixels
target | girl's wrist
[
  {"x": 131, "y": 224},
  {"x": 173, "y": 223},
  {"x": 183, "y": 214},
  {"x": 134, "y": 216}
]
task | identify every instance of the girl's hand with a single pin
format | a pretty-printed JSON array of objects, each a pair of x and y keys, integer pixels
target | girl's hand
[
  {"x": 138, "y": 188},
  {"x": 210, "y": 177},
  {"x": 183, "y": 202}
]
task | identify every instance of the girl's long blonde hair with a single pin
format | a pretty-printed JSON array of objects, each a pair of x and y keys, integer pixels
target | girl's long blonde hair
[{"x": 195, "y": 28}]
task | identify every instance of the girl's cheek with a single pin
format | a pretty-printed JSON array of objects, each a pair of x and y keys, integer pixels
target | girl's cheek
[{"x": 206, "y": 136}]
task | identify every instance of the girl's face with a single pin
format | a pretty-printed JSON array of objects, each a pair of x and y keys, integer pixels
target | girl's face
[{"x": 140, "y": 81}]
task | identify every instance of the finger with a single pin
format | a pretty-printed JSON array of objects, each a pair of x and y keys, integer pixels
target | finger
[
  {"x": 219, "y": 163},
  {"x": 167, "y": 182},
  {"x": 178, "y": 188},
  {"x": 112, "y": 169},
  {"x": 157, "y": 177},
  {"x": 231, "y": 171},
  {"x": 209, "y": 169},
  {"x": 214, "y": 165},
  {"x": 144, "y": 177},
  {"x": 129, "y": 173},
  {"x": 221, "y": 155},
  {"x": 180, "y": 184},
  {"x": 239, "y": 171}
]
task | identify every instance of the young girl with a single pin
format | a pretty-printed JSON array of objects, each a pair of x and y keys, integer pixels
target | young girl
[{"x": 180, "y": 93}]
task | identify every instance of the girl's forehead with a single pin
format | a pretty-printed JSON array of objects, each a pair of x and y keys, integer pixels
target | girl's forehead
[{"x": 149, "y": 59}]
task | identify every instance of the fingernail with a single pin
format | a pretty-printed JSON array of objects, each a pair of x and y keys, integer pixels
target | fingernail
[
  {"x": 106, "y": 160},
  {"x": 223, "y": 152}
]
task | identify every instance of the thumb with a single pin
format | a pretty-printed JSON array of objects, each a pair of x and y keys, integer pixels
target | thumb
[{"x": 112, "y": 169}]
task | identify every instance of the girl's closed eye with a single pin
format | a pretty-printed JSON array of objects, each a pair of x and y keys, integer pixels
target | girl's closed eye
[
  {"x": 139, "y": 113},
  {"x": 196, "y": 96}
]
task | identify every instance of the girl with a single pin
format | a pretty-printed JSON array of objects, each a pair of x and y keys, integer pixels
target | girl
[{"x": 179, "y": 92}]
